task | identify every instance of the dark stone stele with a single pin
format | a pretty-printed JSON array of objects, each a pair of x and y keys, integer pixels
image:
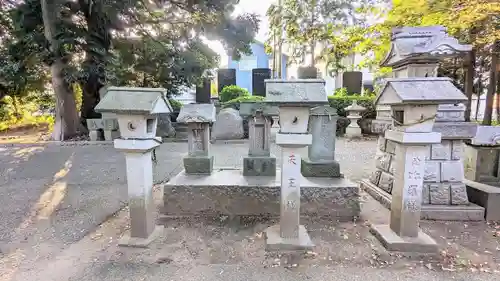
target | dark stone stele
[
  {"x": 203, "y": 94},
  {"x": 258, "y": 77},
  {"x": 352, "y": 81},
  {"x": 307, "y": 73},
  {"x": 329, "y": 169},
  {"x": 225, "y": 77}
]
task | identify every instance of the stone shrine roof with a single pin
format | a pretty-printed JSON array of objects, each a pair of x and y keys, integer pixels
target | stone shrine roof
[
  {"x": 124, "y": 100},
  {"x": 249, "y": 109},
  {"x": 296, "y": 92},
  {"x": 421, "y": 90},
  {"x": 323, "y": 110},
  {"x": 354, "y": 107},
  {"x": 422, "y": 43},
  {"x": 197, "y": 112}
]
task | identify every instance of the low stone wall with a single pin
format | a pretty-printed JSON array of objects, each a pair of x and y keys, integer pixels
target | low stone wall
[{"x": 227, "y": 192}]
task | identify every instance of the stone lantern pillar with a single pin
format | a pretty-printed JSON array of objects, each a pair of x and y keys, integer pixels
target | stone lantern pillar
[
  {"x": 198, "y": 117},
  {"x": 294, "y": 99},
  {"x": 354, "y": 114},
  {"x": 136, "y": 110},
  {"x": 414, "y": 103}
]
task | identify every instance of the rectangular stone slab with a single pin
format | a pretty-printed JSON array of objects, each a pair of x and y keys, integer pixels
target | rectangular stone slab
[
  {"x": 227, "y": 191},
  {"x": 487, "y": 196},
  {"x": 423, "y": 243}
]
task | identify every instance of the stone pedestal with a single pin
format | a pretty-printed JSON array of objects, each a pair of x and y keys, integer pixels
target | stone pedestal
[
  {"x": 403, "y": 233},
  {"x": 292, "y": 235},
  {"x": 111, "y": 131},
  {"x": 95, "y": 127},
  {"x": 259, "y": 161},
  {"x": 321, "y": 159},
  {"x": 143, "y": 228},
  {"x": 103, "y": 129}
]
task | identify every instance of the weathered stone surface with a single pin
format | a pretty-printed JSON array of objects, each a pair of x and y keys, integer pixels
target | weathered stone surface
[
  {"x": 426, "y": 197},
  {"x": 392, "y": 166},
  {"x": 486, "y": 135},
  {"x": 428, "y": 153},
  {"x": 452, "y": 171},
  {"x": 228, "y": 125},
  {"x": 375, "y": 177},
  {"x": 165, "y": 128},
  {"x": 383, "y": 161},
  {"x": 457, "y": 150},
  {"x": 487, "y": 196},
  {"x": 110, "y": 124},
  {"x": 199, "y": 165},
  {"x": 390, "y": 147},
  {"x": 229, "y": 192},
  {"x": 386, "y": 182},
  {"x": 455, "y": 130},
  {"x": 441, "y": 151},
  {"x": 381, "y": 143},
  {"x": 458, "y": 194},
  {"x": 95, "y": 124},
  {"x": 259, "y": 166},
  {"x": 320, "y": 169},
  {"x": 432, "y": 171},
  {"x": 439, "y": 194}
]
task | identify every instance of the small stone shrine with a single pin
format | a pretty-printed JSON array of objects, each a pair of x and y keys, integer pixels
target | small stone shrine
[
  {"x": 321, "y": 157},
  {"x": 136, "y": 110},
  {"x": 294, "y": 101},
  {"x": 107, "y": 124},
  {"x": 198, "y": 117},
  {"x": 414, "y": 103},
  {"x": 416, "y": 52},
  {"x": 482, "y": 170},
  {"x": 259, "y": 161},
  {"x": 354, "y": 114},
  {"x": 255, "y": 190}
]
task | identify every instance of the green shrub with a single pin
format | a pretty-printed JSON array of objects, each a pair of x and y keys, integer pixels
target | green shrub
[
  {"x": 341, "y": 102},
  {"x": 176, "y": 105},
  {"x": 232, "y": 92},
  {"x": 235, "y": 103}
]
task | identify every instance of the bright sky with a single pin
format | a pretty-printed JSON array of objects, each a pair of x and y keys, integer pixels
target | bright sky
[{"x": 258, "y": 7}]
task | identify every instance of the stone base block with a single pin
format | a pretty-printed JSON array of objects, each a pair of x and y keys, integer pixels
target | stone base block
[
  {"x": 393, "y": 242},
  {"x": 95, "y": 135},
  {"x": 228, "y": 192},
  {"x": 487, "y": 196},
  {"x": 321, "y": 169},
  {"x": 274, "y": 242},
  {"x": 199, "y": 165},
  {"x": 259, "y": 166},
  {"x": 471, "y": 212},
  {"x": 111, "y": 135},
  {"x": 137, "y": 242},
  {"x": 353, "y": 132}
]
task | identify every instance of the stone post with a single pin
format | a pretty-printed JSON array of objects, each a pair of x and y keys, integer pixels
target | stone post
[
  {"x": 136, "y": 110},
  {"x": 321, "y": 160},
  {"x": 198, "y": 117},
  {"x": 294, "y": 99},
  {"x": 354, "y": 114}
]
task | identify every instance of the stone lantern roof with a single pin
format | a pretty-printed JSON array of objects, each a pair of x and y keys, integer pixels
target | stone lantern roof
[
  {"x": 421, "y": 45},
  {"x": 297, "y": 92},
  {"x": 354, "y": 107},
  {"x": 421, "y": 90},
  {"x": 197, "y": 113},
  {"x": 124, "y": 100}
]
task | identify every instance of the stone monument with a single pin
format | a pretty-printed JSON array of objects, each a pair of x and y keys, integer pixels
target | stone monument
[
  {"x": 414, "y": 103},
  {"x": 259, "y": 161},
  {"x": 321, "y": 157},
  {"x": 294, "y": 99},
  {"x": 198, "y": 117},
  {"x": 416, "y": 52},
  {"x": 482, "y": 170},
  {"x": 107, "y": 123},
  {"x": 136, "y": 110},
  {"x": 354, "y": 114}
]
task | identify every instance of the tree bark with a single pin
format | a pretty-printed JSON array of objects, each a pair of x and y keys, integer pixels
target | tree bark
[
  {"x": 469, "y": 83},
  {"x": 488, "y": 112},
  {"x": 66, "y": 116}
]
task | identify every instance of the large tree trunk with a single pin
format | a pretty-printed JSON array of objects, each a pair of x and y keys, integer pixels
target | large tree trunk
[
  {"x": 66, "y": 117},
  {"x": 488, "y": 112},
  {"x": 469, "y": 83}
]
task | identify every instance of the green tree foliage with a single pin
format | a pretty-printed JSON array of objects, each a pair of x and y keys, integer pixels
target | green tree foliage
[{"x": 232, "y": 92}]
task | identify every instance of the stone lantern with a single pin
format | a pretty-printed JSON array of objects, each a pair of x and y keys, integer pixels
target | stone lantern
[
  {"x": 136, "y": 110},
  {"x": 294, "y": 99},
  {"x": 414, "y": 105},
  {"x": 198, "y": 117},
  {"x": 354, "y": 114}
]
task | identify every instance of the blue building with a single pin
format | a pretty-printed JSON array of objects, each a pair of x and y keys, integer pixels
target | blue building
[{"x": 258, "y": 59}]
